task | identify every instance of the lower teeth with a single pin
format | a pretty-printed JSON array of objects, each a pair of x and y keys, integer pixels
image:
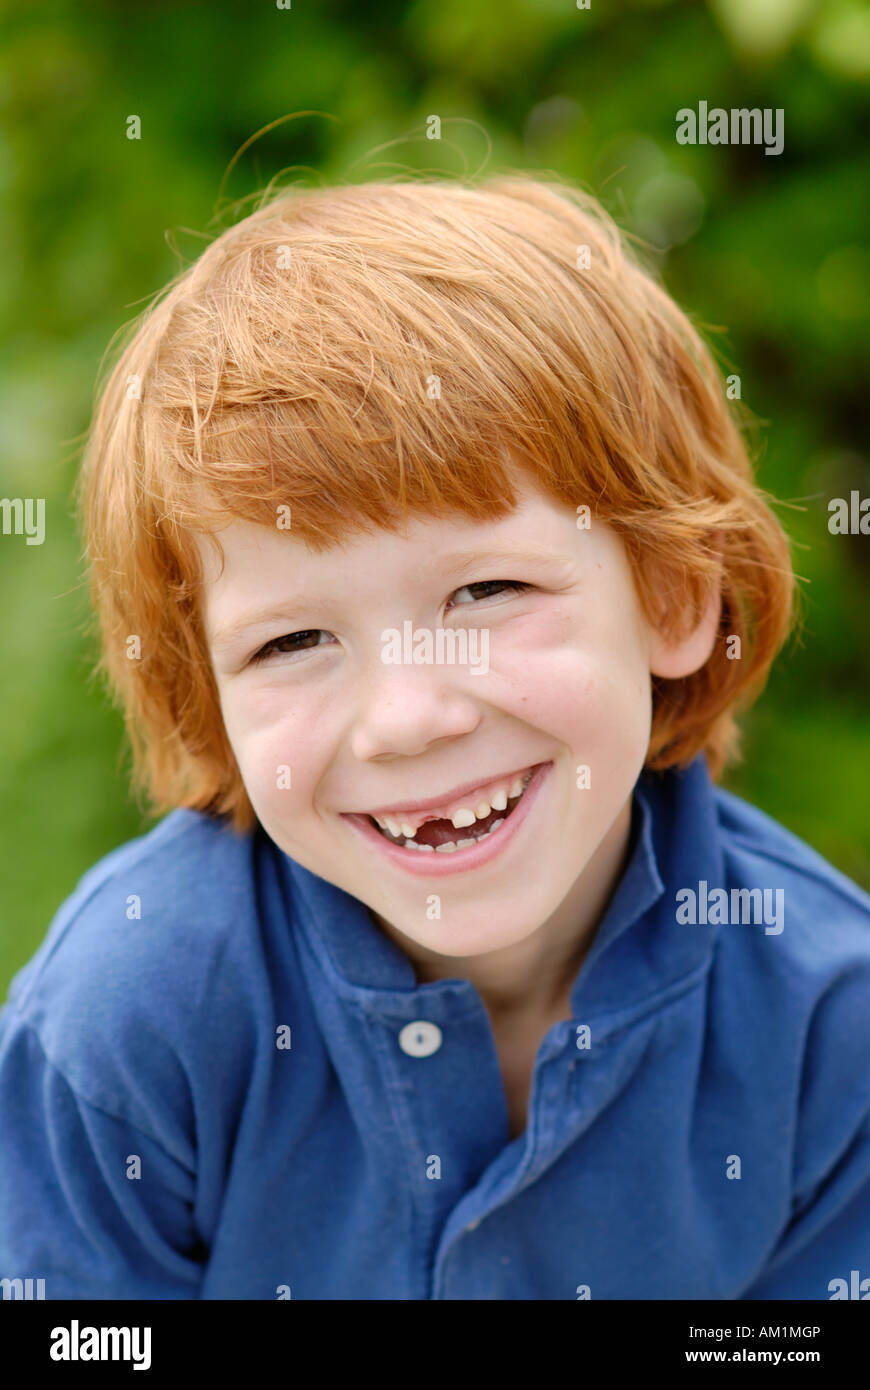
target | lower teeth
[{"x": 451, "y": 845}]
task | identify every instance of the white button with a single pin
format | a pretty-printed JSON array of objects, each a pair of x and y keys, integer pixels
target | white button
[{"x": 420, "y": 1039}]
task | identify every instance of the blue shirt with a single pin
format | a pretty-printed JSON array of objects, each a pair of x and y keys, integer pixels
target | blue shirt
[{"x": 242, "y": 1092}]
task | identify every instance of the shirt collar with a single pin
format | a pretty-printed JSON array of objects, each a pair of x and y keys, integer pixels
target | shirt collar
[
  {"x": 639, "y": 949},
  {"x": 640, "y": 952}
]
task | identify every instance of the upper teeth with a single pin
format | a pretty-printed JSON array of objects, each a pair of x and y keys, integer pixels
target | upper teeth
[{"x": 462, "y": 816}]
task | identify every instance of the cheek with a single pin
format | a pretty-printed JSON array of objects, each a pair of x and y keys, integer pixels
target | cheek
[
  {"x": 584, "y": 682},
  {"x": 276, "y": 739}
]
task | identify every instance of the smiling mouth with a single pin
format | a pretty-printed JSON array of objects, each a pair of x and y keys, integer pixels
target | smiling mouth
[{"x": 442, "y": 836}]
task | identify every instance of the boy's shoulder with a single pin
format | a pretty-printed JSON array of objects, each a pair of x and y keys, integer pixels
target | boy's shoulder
[
  {"x": 803, "y": 995},
  {"x": 151, "y": 958},
  {"x": 817, "y": 921},
  {"x": 763, "y": 846},
  {"x": 155, "y": 902}
]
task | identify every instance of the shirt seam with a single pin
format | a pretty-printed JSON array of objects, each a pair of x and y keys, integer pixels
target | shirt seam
[{"x": 81, "y": 1098}]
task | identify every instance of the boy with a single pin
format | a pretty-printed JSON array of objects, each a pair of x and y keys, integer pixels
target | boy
[{"x": 430, "y": 570}]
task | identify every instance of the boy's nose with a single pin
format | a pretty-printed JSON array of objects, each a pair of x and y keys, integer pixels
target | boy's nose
[{"x": 404, "y": 709}]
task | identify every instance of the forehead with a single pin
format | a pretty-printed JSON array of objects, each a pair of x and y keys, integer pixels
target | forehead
[{"x": 538, "y": 525}]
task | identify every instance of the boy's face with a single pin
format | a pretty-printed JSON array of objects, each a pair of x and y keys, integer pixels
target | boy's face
[{"x": 564, "y": 685}]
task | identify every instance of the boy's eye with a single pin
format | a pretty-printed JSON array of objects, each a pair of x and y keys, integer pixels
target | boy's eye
[
  {"x": 297, "y": 642},
  {"x": 517, "y": 585}
]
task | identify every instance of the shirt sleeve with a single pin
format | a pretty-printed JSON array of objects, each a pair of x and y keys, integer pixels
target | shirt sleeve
[
  {"x": 824, "y": 1252},
  {"x": 88, "y": 1201},
  {"x": 828, "y": 1234}
]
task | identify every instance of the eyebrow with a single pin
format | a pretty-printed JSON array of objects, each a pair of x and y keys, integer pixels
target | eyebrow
[
  {"x": 534, "y": 554},
  {"x": 261, "y": 617},
  {"x": 458, "y": 560}
]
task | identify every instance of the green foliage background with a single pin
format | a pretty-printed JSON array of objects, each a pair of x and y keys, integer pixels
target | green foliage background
[{"x": 773, "y": 249}]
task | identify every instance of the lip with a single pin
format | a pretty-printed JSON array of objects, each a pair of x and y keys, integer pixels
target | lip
[
  {"x": 460, "y": 860},
  {"x": 436, "y": 803}
]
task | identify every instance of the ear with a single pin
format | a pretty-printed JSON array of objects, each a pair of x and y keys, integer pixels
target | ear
[{"x": 675, "y": 655}]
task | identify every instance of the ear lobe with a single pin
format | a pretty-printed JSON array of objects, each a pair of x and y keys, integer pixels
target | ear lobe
[{"x": 673, "y": 657}]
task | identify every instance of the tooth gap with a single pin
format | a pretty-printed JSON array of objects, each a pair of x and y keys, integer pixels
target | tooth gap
[{"x": 404, "y": 841}]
